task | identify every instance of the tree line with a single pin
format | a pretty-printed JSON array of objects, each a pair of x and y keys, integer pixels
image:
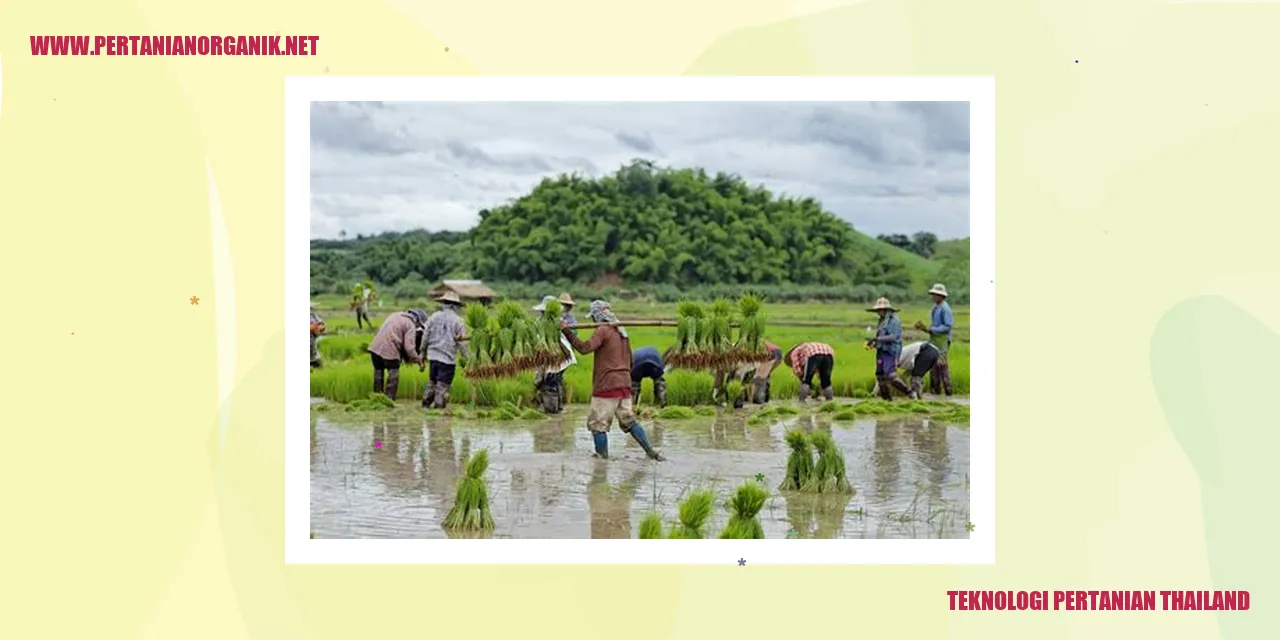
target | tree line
[{"x": 664, "y": 229}]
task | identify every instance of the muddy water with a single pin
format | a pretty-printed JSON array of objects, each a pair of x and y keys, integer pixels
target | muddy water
[{"x": 394, "y": 477}]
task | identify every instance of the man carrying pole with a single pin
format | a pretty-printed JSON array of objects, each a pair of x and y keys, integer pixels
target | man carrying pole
[
  {"x": 549, "y": 383},
  {"x": 610, "y": 380}
]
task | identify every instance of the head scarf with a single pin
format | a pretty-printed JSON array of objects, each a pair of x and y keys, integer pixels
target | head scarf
[
  {"x": 419, "y": 316},
  {"x": 600, "y": 312}
]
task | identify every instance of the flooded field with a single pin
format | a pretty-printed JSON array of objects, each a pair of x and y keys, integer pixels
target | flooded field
[{"x": 394, "y": 475}]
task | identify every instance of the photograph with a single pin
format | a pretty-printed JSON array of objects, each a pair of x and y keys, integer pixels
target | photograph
[{"x": 725, "y": 319}]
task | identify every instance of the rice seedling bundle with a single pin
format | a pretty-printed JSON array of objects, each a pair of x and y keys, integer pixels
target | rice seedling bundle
[
  {"x": 470, "y": 510},
  {"x": 374, "y": 402},
  {"x": 705, "y": 339},
  {"x": 694, "y": 512},
  {"x": 799, "y": 463},
  {"x": 651, "y": 527},
  {"x": 745, "y": 504},
  {"x": 511, "y": 340},
  {"x": 829, "y": 472}
]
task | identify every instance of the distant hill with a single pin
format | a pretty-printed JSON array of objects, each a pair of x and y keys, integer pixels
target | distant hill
[{"x": 643, "y": 226}]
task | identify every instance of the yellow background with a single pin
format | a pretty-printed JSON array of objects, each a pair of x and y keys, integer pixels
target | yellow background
[{"x": 1135, "y": 437}]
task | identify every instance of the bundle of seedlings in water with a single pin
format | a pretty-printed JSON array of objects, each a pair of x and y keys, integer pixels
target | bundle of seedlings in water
[
  {"x": 829, "y": 473},
  {"x": 694, "y": 512},
  {"x": 651, "y": 527},
  {"x": 799, "y": 463},
  {"x": 470, "y": 510},
  {"x": 745, "y": 504},
  {"x": 511, "y": 341},
  {"x": 375, "y": 402}
]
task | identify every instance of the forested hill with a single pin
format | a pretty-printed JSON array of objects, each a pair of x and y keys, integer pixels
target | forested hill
[{"x": 642, "y": 226}]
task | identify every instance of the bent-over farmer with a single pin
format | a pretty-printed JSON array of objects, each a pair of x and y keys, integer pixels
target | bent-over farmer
[
  {"x": 549, "y": 382},
  {"x": 916, "y": 360},
  {"x": 646, "y": 363},
  {"x": 888, "y": 346},
  {"x": 941, "y": 323},
  {"x": 396, "y": 341},
  {"x": 445, "y": 336},
  {"x": 811, "y": 359},
  {"x": 754, "y": 377},
  {"x": 610, "y": 380},
  {"x": 317, "y": 329}
]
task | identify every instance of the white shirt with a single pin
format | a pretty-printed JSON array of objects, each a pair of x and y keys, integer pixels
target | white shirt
[{"x": 907, "y": 359}]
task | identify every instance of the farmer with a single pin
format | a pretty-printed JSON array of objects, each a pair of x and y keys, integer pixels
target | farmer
[
  {"x": 549, "y": 382},
  {"x": 941, "y": 322},
  {"x": 610, "y": 380},
  {"x": 317, "y": 328},
  {"x": 445, "y": 336},
  {"x": 754, "y": 376},
  {"x": 566, "y": 302},
  {"x": 364, "y": 295},
  {"x": 809, "y": 359},
  {"x": 396, "y": 341},
  {"x": 916, "y": 360},
  {"x": 888, "y": 346},
  {"x": 646, "y": 362}
]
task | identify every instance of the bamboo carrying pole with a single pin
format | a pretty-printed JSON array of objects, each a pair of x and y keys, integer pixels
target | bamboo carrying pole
[{"x": 672, "y": 323}]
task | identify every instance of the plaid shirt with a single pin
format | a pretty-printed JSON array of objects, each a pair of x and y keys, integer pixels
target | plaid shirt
[
  {"x": 442, "y": 337},
  {"x": 800, "y": 357}
]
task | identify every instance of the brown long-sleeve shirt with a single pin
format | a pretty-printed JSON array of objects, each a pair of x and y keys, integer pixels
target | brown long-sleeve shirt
[
  {"x": 611, "y": 370},
  {"x": 395, "y": 339}
]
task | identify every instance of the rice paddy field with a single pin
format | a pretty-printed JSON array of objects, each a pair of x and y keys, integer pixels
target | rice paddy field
[
  {"x": 347, "y": 374},
  {"x": 397, "y": 472}
]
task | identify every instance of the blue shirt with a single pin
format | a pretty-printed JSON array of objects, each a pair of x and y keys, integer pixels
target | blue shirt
[
  {"x": 568, "y": 318},
  {"x": 646, "y": 355},
  {"x": 941, "y": 319},
  {"x": 890, "y": 326}
]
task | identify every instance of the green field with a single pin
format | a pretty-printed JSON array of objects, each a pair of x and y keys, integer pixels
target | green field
[{"x": 347, "y": 374}]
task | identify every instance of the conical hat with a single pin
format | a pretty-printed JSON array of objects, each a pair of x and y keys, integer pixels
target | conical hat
[{"x": 881, "y": 305}]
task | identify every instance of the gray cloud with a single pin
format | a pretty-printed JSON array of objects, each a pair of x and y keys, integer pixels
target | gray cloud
[{"x": 885, "y": 167}]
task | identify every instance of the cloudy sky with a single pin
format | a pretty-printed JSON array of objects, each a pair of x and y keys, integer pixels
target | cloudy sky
[{"x": 885, "y": 167}]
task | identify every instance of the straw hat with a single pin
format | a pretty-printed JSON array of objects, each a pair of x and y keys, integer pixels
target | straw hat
[
  {"x": 938, "y": 290},
  {"x": 565, "y": 299},
  {"x": 882, "y": 305},
  {"x": 450, "y": 297}
]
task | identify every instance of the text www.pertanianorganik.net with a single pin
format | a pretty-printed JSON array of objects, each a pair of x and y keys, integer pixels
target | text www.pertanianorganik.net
[{"x": 174, "y": 45}]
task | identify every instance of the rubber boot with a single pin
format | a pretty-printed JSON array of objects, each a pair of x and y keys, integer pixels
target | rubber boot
[
  {"x": 917, "y": 387},
  {"x": 828, "y": 394},
  {"x": 393, "y": 382},
  {"x": 378, "y": 378},
  {"x": 761, "y": 391},
  {"x": 946, "y": 378},
  {"x": 935, "y": 379},
  {"x": 885, "y": 388},
  {"x": 660, "y": 392},
  {"x": 900, "y": 386},
  {"x": 635, "y": 392},
  {"x": 637, "y": 432},
  {"x": 601, "y": 441},
  {"x": 429, "y": 395},
  {"x": 442, "y": 395},
  {"x": 804, "y": 393}
]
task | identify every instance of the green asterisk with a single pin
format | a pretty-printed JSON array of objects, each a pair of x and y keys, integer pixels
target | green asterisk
[
  {"x": 969, "y": 527},
  {"x": 792, "y": 533},
  {"x": 760, "y": 478}
]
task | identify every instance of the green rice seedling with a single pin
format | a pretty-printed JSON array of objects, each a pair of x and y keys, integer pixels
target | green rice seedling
[
  {"x": 829, "y": 472},
  {"x": 651, "y": 527},
  {"x": 799, "y": 462},
  {"x": 372, "y": 402},
  {"x": 846, "y": 415},
  {"x": 694, "y": 512},
  {"x": 531, "y": 414},
  {"x": 830, "y": 407},
  {"x": 705, "y": 411},
  {"x": 470, "y": 510},
  {"x": 672, "y": 412},
  {"x": 744, "y": 505},
  {"x": 554, "y": 310},
  {"x": 749, "y": 305}
]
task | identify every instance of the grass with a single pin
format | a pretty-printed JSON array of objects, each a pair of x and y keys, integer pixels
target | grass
[{"x": 347, "y": 374}]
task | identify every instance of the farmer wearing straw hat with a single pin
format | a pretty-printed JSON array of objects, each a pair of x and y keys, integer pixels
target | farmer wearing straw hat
[
  {"x": 941, "y": 322},
  {"x": 445, "y": 336},
  {"x": 811, "y": 359},
  {"x": 317, "y": 328},
  {"x": 395, "y": 341},
  {"x": 888, "y": 346},
  {"x": 610, "y": 380},
  {"x": 549, "y": 383},
  {"x": 566, "y": 301},
  {"x": 916, "y": 360}
]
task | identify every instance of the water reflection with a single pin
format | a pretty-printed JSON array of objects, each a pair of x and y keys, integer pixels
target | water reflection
[
  {"x": 396, "y": 459},
  {"x": 610, "y": 506}
]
